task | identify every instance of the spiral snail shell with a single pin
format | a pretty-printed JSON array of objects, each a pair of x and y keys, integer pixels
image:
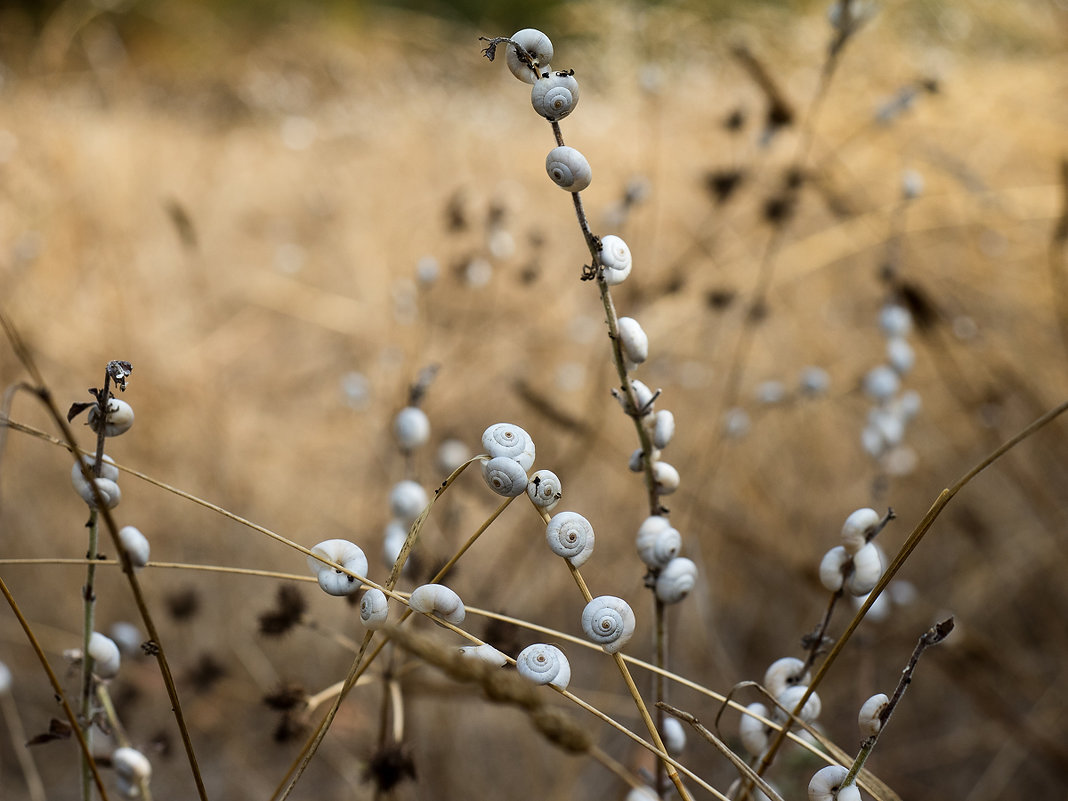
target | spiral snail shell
[
  {"x": 544, "y": 664},
  {"x": 615, "y": 259},
  {"x": 505, "y": 476},
  {"x": 484, "y": 653},
  {"x": 609, "y": 622},
  {"x": 753, "y": 732},
  {"x": 506, "y": 439},
  {"x": 633, "y": 339},
  {"x": 544, "y": 489},
  {"x": 666, "y": 478},
  {"x": 570, "y": 535},
  {"x": 555, "y": 95},
  {"x": 869, "y": 718},
  {"x": 783, "y": 673},
  {"x": 676, "y": 580},
  {"x": 826, "y": 785},
  {"x": 538, "y": 45},
  {"x": 438, "y": 598},
  {"x": 119, "y": 419},
  {"x": 658, "y": 543},
  {"x": 568, "y": 169},
  {"x": 344, "y": 553},
  {"x": 374, "y": 608},
  {"x": 663, "y": 428},
  {"x": 858, "y": 528}
]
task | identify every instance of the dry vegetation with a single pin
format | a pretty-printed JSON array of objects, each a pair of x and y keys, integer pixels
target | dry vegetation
[{"x": 241, "y": 219}]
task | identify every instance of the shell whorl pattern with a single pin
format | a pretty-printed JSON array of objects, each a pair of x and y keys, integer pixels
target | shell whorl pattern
[
  {"x": 506, "y": 439},
  {"x": 658, "y": 543},
  {"x": 374, "y": 608},
  {"x": 544, "y": 489},
  {"x": 608, "y": 621},
  {"x": 568, "y": 169},
  {"x": 537, "y": 44},
  {"x": 555, "y": 96},
  {"x": 676, "y": 580},
  {"x": 438, "y": 598},
  {"x": 544, "y": 664},
  {"x": 570, "y": 535},
  {"x": 615, "y": 258},
  {"x": 347, "y": 554},
  {"x": 505, "y": 476}
]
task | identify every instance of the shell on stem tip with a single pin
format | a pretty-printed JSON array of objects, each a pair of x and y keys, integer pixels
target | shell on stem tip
[
  {"x": 857, "y": 528},
  {"x": 538, "y": 45},
  {"x": 608, "y": 621},
  {"x": 544, "y": 664},
  {"x": 570, "y": 535},
  {"x": 438, "y": 598},
  {"x": 505, "y": 476},
  {"x": 348, "y": 555},
  {"x": 120, "y": 418},
  {"x": 568, "y": 169}
]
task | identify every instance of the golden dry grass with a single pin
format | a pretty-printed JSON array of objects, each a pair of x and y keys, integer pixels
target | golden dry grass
[{"x": 298, "y": 267}]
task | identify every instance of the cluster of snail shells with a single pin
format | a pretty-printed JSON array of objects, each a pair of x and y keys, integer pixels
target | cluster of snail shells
[
  {"x": 106, "y": 483},
  {"x": 857, "y": 564},
  {"x": 785, "y": 680},
  {"x": 510, "y": 452}
]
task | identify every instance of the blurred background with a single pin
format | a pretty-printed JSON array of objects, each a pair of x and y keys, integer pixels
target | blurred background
[{"x": 285, "y": 215}]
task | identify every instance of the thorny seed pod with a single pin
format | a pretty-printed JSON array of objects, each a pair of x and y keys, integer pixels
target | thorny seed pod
[
  {"x": 666, "y": 478},
  {"x": 826, "y": 785},
  {"x": 615, "y": 258},
  {"x": 673, "y": 735},
  {"x": 120, "y": 418},
  {"x": 568, "y": 169},
  {"x": 505, "y": 476},
  {"x": 135, "y": 544},
  {"x": 608, "y": 621},
  {"x": 344, "y": 553},
  {"x": 544, "y": 664},
  {"x": 538, "y": 45},
  {"x": 658, "y": 543},
  {"x": 754, "y": 733},
  {"x": 506, "y": 439},
  {"x": 570, "y": 535},
  {"x": 783, "y": 673},
  {"x": 374, "y": 609},
  {"x": 633, "y": 339},
  {"x": 411, "y": 427},
  {"x": 788, "y": 700},
  {"x": 663, "y": 428},
  {"x": 555, "y": 96},
  {"x": 544, "y": 489},
  {"x": 438, "y": 598},
  {"x": 868, "y": 719},
  {"x": 105, "y": 655},
  {"x": 676, "y": 580},
  {"x": 485, "y": 653},
  {"x": 867, "y": 570},
  {"x": 407, "y": 500}
]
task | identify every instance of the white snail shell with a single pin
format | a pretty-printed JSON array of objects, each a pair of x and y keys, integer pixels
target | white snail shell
[
  {"x": 108, "y": 469},
  {"x": 484, "y": 653},
  {"x": 108, "y": 489},
  {"x": 783, "y": 673},
  {"x": 438, "y": 598},
  {"x": 348, "y": 555},
  {"x": 658, "y": 543},
  {"x": 568, "y": 169},
  {"x": 882, "y": 382},
  {"x": 666, "y": 478},
  {"x": 505, "y": 476},
  {"x": 867, "y": 570},
  {"x": 831, "y": 567},
  {"x": 643, "y": 397},
  {"x": 663, "y": 428},
  {"x": 393, "y": 540},
  {"x": 826, "y": 782},
  {"x": 608, "y": 621},
  {"x": 120, "y": 418},
  {"x": 374, "y": 608},
  {"x": 788, "y": 700},
  {"x": 506, "y": 439},
  {"x": 868, "y": 719},
  {"x": 753, "y": 732},
  {"x": 633, "y": 339},
  {"x": 895, "y": 320},
  {"x": 544, "y": 489},
  {"x": 642, "y": 794},
  {"x": 131, "y": 765},
  {"x": 676, "y": 580},
  {"x": 615, "y": 258},
  {"x": 544, "y": 664},
  {"x": 673, "y": 735},
  {"x": 570, "y": 535},
  {"x": 407, "y": 500},
  {"x": 105, "y": 655},
  {"x": 135, "y": 544},
  {"x": 411, "y": 427},
  {"x": 900, "y": 355},
  {"x": 555, "y": 96},
  {"x": 857, "y": 529},
  {"x": 537, "y": 44}
]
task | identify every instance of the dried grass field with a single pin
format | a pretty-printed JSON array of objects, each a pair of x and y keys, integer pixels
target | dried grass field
[{"x": 247, "y": 214}]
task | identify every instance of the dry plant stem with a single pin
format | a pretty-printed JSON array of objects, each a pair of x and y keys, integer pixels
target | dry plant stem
[
  {"x": 898, "y": 561},
  {"x": 17, "y": 734},
  {"x": 932, "y": 636},
  {"x": 58, "y": 688}
]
